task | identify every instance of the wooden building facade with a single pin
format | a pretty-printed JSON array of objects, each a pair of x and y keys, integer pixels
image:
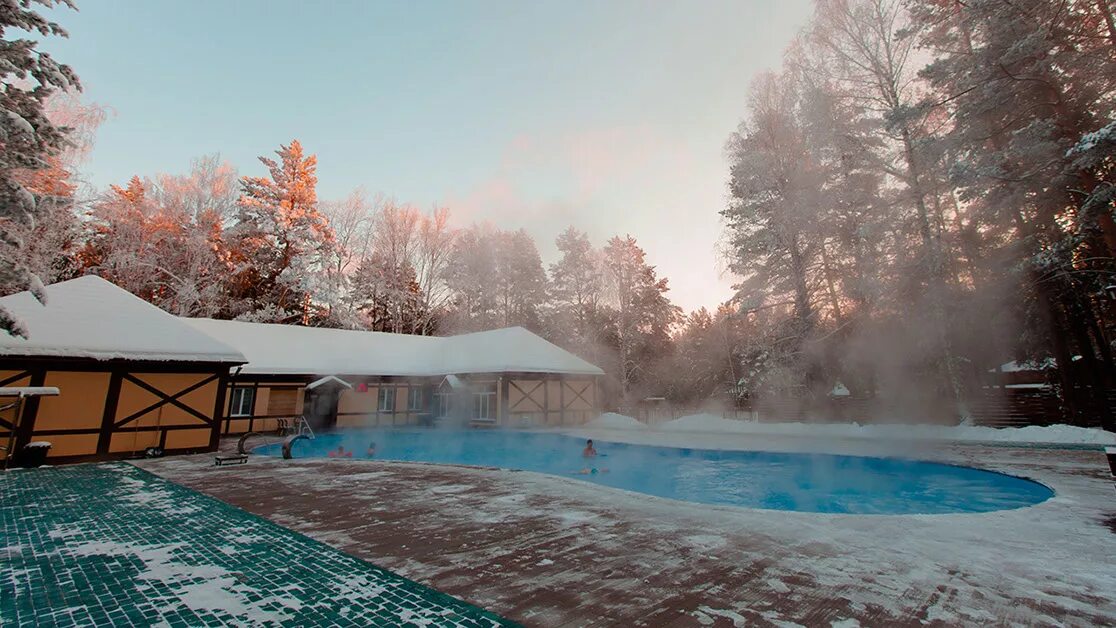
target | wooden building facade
[
  {"x": 261, "y": 403},
  {"x": 505, "y": 377},
  {"x": 130, "y": 376}
]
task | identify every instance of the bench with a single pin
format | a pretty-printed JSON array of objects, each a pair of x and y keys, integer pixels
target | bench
[{"x": 223, "y": 460}]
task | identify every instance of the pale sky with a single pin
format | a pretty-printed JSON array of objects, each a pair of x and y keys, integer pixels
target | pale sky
[{"x": 611, "y": 116}]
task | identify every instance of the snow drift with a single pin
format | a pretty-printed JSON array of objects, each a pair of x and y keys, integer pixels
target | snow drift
[
  {"x": 1053, "y": 434},
  {"x": 613, "y": 421}
]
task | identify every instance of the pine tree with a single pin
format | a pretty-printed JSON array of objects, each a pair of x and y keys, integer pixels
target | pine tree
[
  {"x": 1023, "y": 83},
  {"x": 644, "y": 316},
  {"x": 281, "y": 242},
  {"x": 28, "y": 139},
  {"x": 575, "y": 280},
  {"x": 520, "y": 280}
]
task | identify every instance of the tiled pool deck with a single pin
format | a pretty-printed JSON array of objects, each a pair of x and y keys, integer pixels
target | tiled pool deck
[
  {"x": 551, "y": 551},
  {"x": 114, "y": 545}
]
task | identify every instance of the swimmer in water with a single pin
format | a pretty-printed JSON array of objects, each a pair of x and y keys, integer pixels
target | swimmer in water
[
  {"x": 591, "y": 471},
  {"x": 589, "y": 451},
  {"x": 340, "y": 453},
  {"x": 371, "y": 453}
]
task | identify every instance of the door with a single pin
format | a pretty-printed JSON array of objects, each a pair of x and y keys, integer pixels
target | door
[{"x": 321, "y": 407}]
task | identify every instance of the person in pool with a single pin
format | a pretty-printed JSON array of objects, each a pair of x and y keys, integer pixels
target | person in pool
[
  {"x": 591, "y": 471},
  {"x": 589, "y": 451},
  {"x": 340, "y": 453},
  {"x": 371, "y": 453}
]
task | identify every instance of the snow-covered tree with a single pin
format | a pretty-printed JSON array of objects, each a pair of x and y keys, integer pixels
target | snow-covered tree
[
  {"x": 281, "y": 243},
  {"x": 351, "y": 220},
  {"x": 387, "y": 293},
  {"x": 644, "y": 318},
  {"x": 163, "y": 239},
  {"x": 1022, "y": 84},
  {"x": 433, "y": 252},
  {"x": 470, "y": 277},
  {"x": 28, "y": 138},
  {"x": 575, "y": 279},
  {"x": 50, "y": 245},
  {"x": 520, "y": 280}
]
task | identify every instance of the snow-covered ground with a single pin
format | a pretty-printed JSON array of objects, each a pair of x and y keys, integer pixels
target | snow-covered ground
[
  {"x": 613, "y": 421},
  {"x": 714, "y": 424}
]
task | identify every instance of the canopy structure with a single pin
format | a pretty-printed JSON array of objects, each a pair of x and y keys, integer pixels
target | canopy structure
[
  {"x": 29, "y": 391},
  {"x": 329, "y": 379}
]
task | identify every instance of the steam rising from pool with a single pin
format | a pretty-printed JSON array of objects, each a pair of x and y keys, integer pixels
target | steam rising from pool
[{"x": 780, "y": 481}]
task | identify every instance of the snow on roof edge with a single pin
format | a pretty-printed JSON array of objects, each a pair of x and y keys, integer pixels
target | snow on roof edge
[
  {"x": 90, "y": 318},
  {"x": 276, "y": 349}
]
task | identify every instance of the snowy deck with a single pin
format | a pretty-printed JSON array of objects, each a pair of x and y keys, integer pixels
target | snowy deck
[{"x": 551, "y": 551}]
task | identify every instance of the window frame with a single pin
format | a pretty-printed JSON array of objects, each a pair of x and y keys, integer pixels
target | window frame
[
  {"x": 415, "y": 397},
  {"x": 385, "y": 394},
  {"x": 486, "y": 398},
  {"x": 443, "y": 404},
  {"x": 236, "y": 401}
]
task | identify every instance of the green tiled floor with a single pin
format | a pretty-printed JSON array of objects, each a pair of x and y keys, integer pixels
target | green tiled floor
[{"x": 110, "y": 544}]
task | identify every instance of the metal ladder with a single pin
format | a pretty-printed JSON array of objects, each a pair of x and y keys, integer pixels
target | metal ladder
[{"x": 303, "y": 428}]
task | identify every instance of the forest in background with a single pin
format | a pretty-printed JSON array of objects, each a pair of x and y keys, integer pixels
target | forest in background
[{"x": 922, "y": 192}]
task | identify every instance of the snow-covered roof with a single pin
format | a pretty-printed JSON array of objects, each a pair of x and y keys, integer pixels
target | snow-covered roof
[
  {"x": 329, "y": 379},
  {"x": 290, "y": 349},
  {"x": 89, "y": 317}
]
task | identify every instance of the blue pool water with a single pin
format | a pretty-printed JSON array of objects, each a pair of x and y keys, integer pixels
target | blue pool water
[{"x": 780, "y": 481}]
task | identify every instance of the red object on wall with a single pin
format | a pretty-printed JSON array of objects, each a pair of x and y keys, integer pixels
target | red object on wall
[{"x": 362, "y": 387}]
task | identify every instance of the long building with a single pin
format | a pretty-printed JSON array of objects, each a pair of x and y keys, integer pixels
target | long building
[
  {"x": 346, "y": 378},
  {"x": 133, "y": 377}
]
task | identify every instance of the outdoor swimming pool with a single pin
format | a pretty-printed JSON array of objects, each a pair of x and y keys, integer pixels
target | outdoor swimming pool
[{"x": 778, "y": 481}]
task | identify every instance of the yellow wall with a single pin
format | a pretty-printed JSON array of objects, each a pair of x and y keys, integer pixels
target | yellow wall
[
  {"x": 259, "y": 405},
  {"x": 81, "y": 403},
  {"x": 81, "y": 407},
  {"x": 355, "y": 401},
  {"x": 284, "y": 402},
  {"x": 71, "y": 444},
  {"x": 185, "y": 439},
  {"x": 127, "y": 441}
]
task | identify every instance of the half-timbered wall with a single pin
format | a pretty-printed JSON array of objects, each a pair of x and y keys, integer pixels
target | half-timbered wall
[
  {"x": 550, "y": 400},
  {"x": 117, "y": 410}
]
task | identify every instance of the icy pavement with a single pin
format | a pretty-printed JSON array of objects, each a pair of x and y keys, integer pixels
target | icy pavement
[
  {"x": 111, "y": 545},
  {"x": 551, "y": 551}
]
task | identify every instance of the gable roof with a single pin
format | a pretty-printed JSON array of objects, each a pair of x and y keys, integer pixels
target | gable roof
[
  {"x": 89, "y": 317},
  {"x": 289, "y": 349}
]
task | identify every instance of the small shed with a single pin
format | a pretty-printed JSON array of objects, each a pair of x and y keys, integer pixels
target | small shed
[{"x": 131, "y": 376}]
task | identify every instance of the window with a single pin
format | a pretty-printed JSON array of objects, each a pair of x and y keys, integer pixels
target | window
[
  {"x": 442, "y": 405},
  {"x": 415, "y": 395},
  {"x": 241, "y": 401},
  {"x": 387, "y": 398},
  {"x": 484, "y": 402}
]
